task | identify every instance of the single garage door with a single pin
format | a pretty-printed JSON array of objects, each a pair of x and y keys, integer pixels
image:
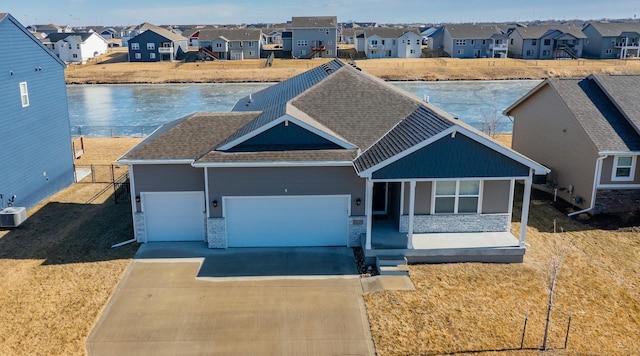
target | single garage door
[
  {"x": 174, "y": 216},
  {"x": 287, "y": 221}
]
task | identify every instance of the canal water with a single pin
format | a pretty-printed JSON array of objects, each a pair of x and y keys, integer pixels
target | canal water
[{"x": 103, "y": 110}]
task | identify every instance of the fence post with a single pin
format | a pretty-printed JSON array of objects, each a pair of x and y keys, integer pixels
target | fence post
[
  {"x": 524, "y": 330},
  {"x": 93, "y": 174},
  {"x": 566, "y": 337}
]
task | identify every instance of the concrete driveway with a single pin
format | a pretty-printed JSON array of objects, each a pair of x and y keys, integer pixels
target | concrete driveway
[{"x": 162, "y": 307}]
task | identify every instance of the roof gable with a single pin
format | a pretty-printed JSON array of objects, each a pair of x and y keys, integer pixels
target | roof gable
[
  {"x": 7, "y": 17},
  {"x": 285, "y": 136},
  {"x": 453, "y": 156}
]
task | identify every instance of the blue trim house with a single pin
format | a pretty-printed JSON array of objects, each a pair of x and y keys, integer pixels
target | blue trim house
[
  {"x": 297, "y": 165},
  {"x": 36, "y": 157},
  {"x": 157, "y": 44}
]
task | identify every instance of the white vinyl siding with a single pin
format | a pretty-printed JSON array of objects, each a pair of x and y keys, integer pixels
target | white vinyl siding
[{"x": 24, "y": 94}]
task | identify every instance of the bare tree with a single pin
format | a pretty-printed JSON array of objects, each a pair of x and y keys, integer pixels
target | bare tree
[
  {"x": 491, "y": 118},
  {"x": 555, "y": 262}
]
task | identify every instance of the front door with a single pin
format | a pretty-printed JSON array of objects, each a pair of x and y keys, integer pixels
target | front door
[{"x": 380, "y": 198}]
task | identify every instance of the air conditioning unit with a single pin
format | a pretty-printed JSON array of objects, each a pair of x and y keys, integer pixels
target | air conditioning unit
[{"x": 13, "y": 216}]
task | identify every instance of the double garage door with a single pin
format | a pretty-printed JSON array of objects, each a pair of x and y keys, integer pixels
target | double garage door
[
  {"x": 286, "y": 221},
  {"x": 273, "y": 221}
]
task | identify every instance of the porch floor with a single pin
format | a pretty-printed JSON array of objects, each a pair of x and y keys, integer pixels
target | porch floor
[{"x": 444, "y": 247}]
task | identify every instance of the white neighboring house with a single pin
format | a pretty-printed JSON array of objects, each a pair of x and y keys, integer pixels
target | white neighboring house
[
  {"x": 76, "y": 47},
  {"x": 389, "y": 42}
]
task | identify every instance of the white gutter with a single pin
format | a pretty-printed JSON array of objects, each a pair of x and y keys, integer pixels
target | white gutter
[{"x": 596, "y": 182}]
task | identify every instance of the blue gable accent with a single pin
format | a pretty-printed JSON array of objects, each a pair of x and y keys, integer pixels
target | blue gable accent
[
  {"x": 35, "y": 139},
  {"x": 285, "y": 138},
  {"x": 458, "y": 157}
]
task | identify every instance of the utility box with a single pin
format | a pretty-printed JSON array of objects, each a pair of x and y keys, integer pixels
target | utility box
[{"x": 13, "y": 216}]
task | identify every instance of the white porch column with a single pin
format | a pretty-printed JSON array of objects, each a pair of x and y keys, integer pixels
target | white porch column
[
  {"x": 526, "y": 199},
  {"x": 412, "y": 203},
  {"x": 369, "y": 212}
]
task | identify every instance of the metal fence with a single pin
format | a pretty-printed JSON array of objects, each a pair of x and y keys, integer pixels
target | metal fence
[
  {"x": 113, "y": 131},
  {"x": 115, "y": 176}
]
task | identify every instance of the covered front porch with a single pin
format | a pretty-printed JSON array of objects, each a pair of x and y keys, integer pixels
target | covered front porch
[{"x": 386, "y": 240}]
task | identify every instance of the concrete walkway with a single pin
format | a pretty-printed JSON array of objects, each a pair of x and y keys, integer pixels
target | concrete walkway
[{"x": 162, "y": 308}]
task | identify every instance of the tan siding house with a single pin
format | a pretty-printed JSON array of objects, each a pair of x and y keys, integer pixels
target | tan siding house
[{"x": 584, "y": 130}]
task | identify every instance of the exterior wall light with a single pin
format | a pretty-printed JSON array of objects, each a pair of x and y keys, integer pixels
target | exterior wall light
[
  {"x": 214, "y": 203},
  {"x": 358, "y": 201}
]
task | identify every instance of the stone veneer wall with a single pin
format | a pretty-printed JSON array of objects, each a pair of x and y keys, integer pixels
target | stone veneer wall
[
  {"x": 357, "y": 227},
  {"x": 139, "y": 229},
  {"x": 457, "y": 223},
  {"x": 616, "y": 201},
  {"x": 216, "y": 233}
]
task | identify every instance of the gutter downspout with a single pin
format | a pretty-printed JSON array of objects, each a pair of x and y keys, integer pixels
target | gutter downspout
[{"x": 596, "y": 182}]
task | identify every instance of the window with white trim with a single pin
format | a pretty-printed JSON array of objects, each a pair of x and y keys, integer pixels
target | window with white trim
[
  {"x": 608, "y": 51},
  {"x": 138, "y": 55},
  {"x": 456, "y": 197},
  {"x": 152, "y": 56},
  {"x": 135, "y": 46},
  {"x": 461, "y": 42},
  {"x": 461, "y": 51},
  {"x": 301, "y": 43},
  {"x": 151, "y": 46},
  {"x": 623, "y": 168},
  {"x": 24, "y": 94}
]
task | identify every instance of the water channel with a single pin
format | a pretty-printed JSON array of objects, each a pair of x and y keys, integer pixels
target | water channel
[{"x": 123, "y": 109}]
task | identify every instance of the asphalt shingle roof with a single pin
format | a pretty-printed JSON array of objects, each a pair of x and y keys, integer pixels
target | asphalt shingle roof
[
  {"x": 55, "y": 37},
  {"x": 624, "y": 92},
  {"x": 467, "y": 31},
  {"x": 189, "y": 137},
  {"x": 388, "y": 32},
  {"x": 314, "y": 22},
  {"x": 615, "y": 29},
  {"x": 605, "y": 126},
  {"x": 230, "y": 34},
  {"x": 534, "y": 32}
]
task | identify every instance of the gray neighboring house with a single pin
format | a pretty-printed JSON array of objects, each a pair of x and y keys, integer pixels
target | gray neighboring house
[
  {"x": 229, "y": 43},
  {"x": 587, "y": 131},
  {"x": 155, "y": 44},
  {"x": 389, "y": 42},
  {"x": 299, "y": 164},
  {"x": 314, "y": 37},
  {"x": 546, "y": 42},
  {"x": 610, "y": 40},
  {"x": 474, "y": 41}
]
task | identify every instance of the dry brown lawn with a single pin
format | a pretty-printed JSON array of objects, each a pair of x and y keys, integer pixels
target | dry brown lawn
[
  {"x": 467, "y": 308},
  {"x": 57, "y": 270},
  {"x": 253, "y": 70}
]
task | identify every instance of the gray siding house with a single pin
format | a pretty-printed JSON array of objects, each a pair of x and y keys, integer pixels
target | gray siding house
[
  {"x": 475, "y": 41},
  {"x": 587, "y": 131},
  {"x": 389, "y": 42},
  {"x": 546, "y": 42},
  {"x": 36, "y": 154},
  {"x": 297, "y": 165},
  {"x": 156, "y": 44},
  {"x": 609, "y": 40},
  {"x": 314, "y": 37},
  {"x": 234, "y": 43}
]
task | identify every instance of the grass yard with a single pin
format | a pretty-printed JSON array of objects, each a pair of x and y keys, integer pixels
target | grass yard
[
  {"x": 57, "y": 270},
  {"x": 113, "y": 68},
  {"x": 466, "y": 308}
]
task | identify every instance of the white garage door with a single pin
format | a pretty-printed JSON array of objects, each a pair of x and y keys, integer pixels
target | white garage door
[
  {"x": 286, "y": 221},
  {"x": 175, "y": 216}
]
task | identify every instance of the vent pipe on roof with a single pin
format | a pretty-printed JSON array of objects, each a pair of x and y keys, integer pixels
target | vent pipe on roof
[{"x": 426, "y": 98}]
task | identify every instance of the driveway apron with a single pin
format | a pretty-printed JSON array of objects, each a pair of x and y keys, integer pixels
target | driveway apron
[{"x": 162, "y": 307}]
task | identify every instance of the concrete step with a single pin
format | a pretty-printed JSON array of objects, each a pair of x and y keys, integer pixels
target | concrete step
[
  {"x": 401, "y": 270},
  {"x": 391, "y": 260}
]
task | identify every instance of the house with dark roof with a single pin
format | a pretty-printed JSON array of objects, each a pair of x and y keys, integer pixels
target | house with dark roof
[
  {"x": 389, "y": 42},
  {"x": 228, "y": 43},
  {"x": 300, "y": 164},
  {"x": 474, "y": 41},
  {"x": 36, "y": 154},
  {"x": 51, "y": 28},
  {"x": 313, "y": 37},
  {"x": 587, "y": 131},
  {"x": 156, "y": 44},
  {"x": 609, "y": 40},
  {"x": 76, "y": 47},
  {"x": 546, "y": 42}
]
